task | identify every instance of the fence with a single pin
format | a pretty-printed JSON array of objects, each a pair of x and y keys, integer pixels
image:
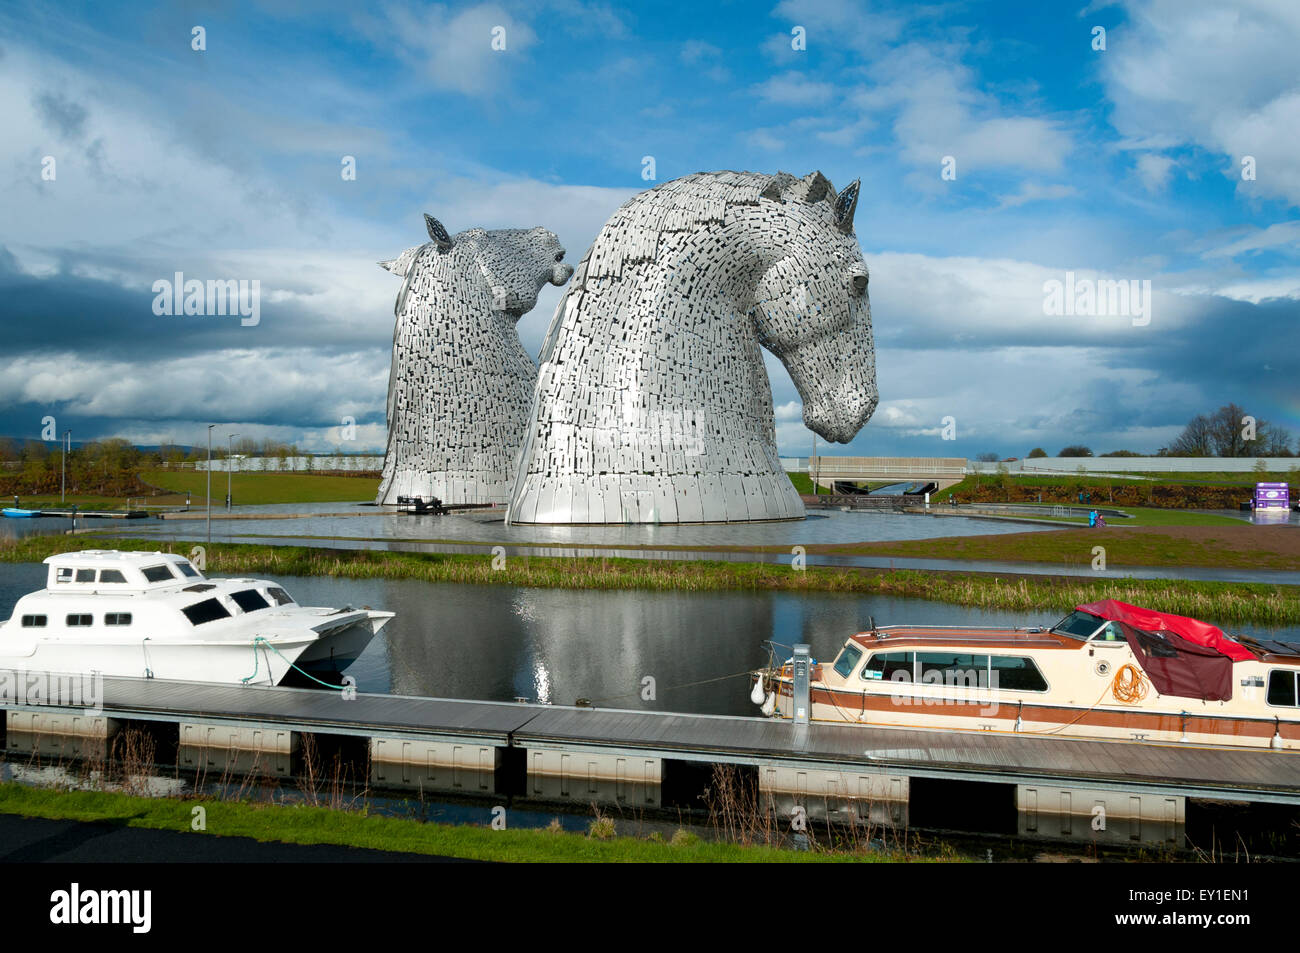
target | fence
[{"x": 361, "y": 463}]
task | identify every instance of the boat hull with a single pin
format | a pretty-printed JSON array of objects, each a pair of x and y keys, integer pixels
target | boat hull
[
  {"x": 339, "y": 646},
  {"x": 989, "y": 714},
  {"x": 231, "y": 662}
]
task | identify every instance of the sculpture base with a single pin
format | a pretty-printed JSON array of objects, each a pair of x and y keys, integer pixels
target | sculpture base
[
  {"x": 448, "y": 489},
  {"x": 621, "y": 499}
]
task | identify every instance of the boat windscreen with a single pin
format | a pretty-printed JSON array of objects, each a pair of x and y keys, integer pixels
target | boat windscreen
[
  {"x": 250, "y": 600},
  {"x": 1079, "y": 625},
  {"x": 209, "y": 610}
]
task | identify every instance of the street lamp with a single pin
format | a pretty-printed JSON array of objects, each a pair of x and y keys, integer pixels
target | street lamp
[
  {"x": 63, "y": 468},
  {"x": 209, "y": 493},
  {"x": 229, "y": 452}
]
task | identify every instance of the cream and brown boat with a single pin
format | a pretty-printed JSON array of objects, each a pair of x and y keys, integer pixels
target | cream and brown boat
[{"x": 1108, "y": 670}]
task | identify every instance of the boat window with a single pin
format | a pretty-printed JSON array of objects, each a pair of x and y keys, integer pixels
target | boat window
[
  {"x": 187, "y": 570},
  {"x": 952, "y": 668},
  {"x": 1080, "y": 625},
  {"x": 63, "y": 574},
  {"x": 117, "y": 618},
  {"x": 1110, "y": 632},
  {"x": 281, "y": 597},
  {"x": 890, "y": 666},
  {"x": 848, "y": 658},
  {"x": 85, "y": 575},
  {"x": 1281, "y": 687},
  {"x": 157, "y": 573},
  {"x": 34, "y": 621},
  {"x": 76, "y": 619},
  {"x": 250, "y": 600},
  {"x": 209, "y": 610},
  {"x": 1016, "y": 674},
  {"x": 111, "y": 575}
]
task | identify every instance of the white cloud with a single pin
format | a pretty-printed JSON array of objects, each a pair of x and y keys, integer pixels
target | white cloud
[
  {"x": 1154, "y": 171},
  {"x": 455, "y": 50},
  {"x": 1035, "y": 192},
  {"x": 1279, "y": 234},
  {"x": 766, "y": 139},
  {"x": 1222, "y": 77},
  {"x": 795, "y": 89}
]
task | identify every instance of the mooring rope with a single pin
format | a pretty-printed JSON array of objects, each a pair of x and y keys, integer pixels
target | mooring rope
[{"x": 257, "y": 665}]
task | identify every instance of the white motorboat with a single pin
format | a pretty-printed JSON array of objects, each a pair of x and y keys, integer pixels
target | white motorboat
[{"x": 154, "y": 615}]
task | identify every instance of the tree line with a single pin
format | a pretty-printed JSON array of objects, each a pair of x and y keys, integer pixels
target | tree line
[{"x": 1227, "y": 432}]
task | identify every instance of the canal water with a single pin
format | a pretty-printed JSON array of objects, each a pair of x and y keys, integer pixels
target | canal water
[
  {"x": 376, "y": 528},
  {"x": 555, "y": 645}
]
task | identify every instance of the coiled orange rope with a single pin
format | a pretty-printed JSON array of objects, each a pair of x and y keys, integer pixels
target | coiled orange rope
[{"x": 1129, "y": 685}]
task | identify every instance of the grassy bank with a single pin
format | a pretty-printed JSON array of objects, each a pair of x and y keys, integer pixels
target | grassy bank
[
  {"x": 1168, "y": 491},
  {"x": 1140, "y": 516},
  {"x": 1223, "y": 603},
  {"x": 257, "y": 488},
  {"x": 1240, "y": 546},
  {"x": 301, "y": 824}
]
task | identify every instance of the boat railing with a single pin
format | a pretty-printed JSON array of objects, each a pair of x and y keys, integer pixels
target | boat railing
[{"x": 956, "y": 628}]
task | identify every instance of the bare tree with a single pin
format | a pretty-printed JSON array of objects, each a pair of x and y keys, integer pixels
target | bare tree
[
  {"x": 1228, "y": 432},
  {"x": 1196, "y": 440}
]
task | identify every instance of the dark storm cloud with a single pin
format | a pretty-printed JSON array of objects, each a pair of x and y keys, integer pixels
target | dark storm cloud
[
  {"x": 1230, "y": 350},
  {"x": 101, "y": 319}
]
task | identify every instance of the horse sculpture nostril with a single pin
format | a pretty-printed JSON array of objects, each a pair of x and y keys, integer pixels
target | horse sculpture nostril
[
  {"x": 561, "y": 273},
  {"x": 858, "y": 284}
]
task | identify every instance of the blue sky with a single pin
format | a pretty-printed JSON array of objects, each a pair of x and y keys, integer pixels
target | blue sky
[{"x": 1123, "y": 163}]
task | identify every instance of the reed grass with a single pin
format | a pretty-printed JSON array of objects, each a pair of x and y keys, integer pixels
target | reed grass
[{"x": 1220, "y": 602}]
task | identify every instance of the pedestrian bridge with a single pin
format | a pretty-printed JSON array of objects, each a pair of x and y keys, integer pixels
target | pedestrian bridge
[{"x": 945, "y": 471}]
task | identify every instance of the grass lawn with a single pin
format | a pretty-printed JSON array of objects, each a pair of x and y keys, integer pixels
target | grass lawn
[
  {"x": 802, "y": 482},
  {"x": 300, "y": 824},
  {"x": 1141, "y": 516},
  {"x": 1247, "y": 479},
  {"x": 254, "y": 488},
  {"x": 1153, "y": 516},
  {"x": 1239, "y": 546}
]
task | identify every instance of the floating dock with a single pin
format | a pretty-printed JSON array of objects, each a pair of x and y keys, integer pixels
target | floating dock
[{"x": 1046, "y": 787}]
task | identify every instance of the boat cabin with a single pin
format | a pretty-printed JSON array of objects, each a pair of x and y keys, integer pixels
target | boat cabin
[{"x": 107, "y": 570}]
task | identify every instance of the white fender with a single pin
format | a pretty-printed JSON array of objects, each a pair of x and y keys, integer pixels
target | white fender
[
  {"x": 756, "y": 694},
  {"x": 769, "y": 705}
]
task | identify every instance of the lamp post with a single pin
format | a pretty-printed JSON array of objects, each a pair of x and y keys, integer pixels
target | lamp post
[
  {"x": 209, "y": 493},
  {"x": 229, "y": 456},
  {"x": 63, "y": 468},
  {"x": 811, "y": 465}
]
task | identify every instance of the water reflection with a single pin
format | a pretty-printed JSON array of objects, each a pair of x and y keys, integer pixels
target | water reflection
[{"x": 555, "y": 645}]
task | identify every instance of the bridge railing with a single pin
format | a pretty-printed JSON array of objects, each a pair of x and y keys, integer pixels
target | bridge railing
[{"x": 886, "y": 468}]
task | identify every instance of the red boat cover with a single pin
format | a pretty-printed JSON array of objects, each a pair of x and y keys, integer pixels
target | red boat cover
[
  {"x": 1179, "y": 667},
  {"x": 1193, "y": 630}
]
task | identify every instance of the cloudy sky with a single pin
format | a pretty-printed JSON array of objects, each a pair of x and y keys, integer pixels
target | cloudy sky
[{"x": 1167, "y": 157}]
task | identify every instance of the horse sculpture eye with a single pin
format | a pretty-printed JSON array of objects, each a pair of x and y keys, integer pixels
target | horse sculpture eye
[{"x": 857, "y": 283}]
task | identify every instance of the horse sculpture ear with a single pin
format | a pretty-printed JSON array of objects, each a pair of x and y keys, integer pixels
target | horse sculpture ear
[
  {"x": 846, "y": 204},
  {"x": 815, "y": 187},
  {"x": 437, "y": 233}
]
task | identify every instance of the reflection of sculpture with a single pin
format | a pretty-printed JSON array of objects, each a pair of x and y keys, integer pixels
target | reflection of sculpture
[
  {"x": 653, "y": 403},
  {"x": 461, "y": 383}
]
